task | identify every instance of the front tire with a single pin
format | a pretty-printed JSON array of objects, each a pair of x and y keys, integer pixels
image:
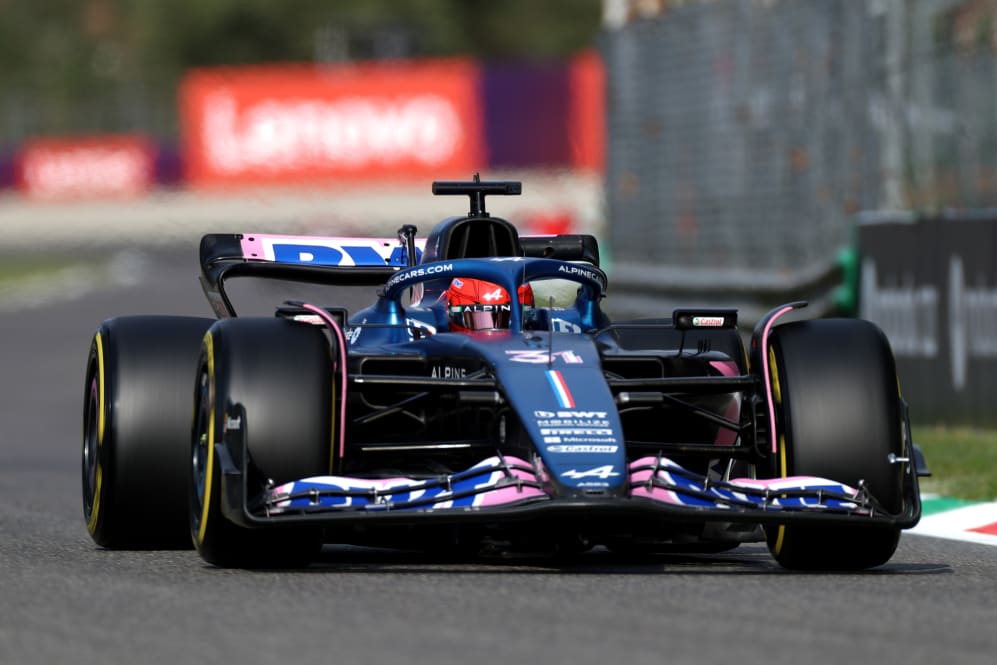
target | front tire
[
  {"x": 838, "y": 417},
  {"x": 136, "y": 425},
  {"x": 280, "y": 373}
]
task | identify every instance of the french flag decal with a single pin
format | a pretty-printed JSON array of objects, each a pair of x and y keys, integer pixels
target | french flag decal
[{"x": 560, "y": 387}]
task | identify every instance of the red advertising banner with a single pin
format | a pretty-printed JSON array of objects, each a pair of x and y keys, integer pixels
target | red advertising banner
[
  {"x": 114, "y": 165},
  {"x": 285, "y": 124},
  {"x": 587, "y": 120}
]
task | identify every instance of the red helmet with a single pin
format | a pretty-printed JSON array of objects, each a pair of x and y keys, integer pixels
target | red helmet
[{"x": 474, "y": 304}]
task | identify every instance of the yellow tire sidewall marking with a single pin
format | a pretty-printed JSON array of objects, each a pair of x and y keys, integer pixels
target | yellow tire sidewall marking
[
  {"x": 99, "y": 481},
  {"x": 774, "y": 374},
  {"x": 783, "y": 464},
  {"x": 210, "y": 463}
]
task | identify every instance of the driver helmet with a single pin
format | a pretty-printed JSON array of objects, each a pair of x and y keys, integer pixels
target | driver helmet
[{"x": 474, "y": 304}]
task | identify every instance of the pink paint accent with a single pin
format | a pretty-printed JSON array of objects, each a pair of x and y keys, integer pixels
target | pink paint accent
[
  {"x": 657, "y": 494},
  {"x": 648, "y": 460},
  {"x": 725, "y": 367},
  {"x": 639, "y": 488},
  {"x": 766, "y": 373},
  {"x": 639, "y": 480},
  {"x": 511, "y": 493},
  {"x": 789, "y": 482},
  {"x": 331, "y": 322},
  {"x": 252, "y": 246},
  {"x": 660, "y": 467},
  {"x": 726, "y": 437},
  {"x": 491, "y": 495}
]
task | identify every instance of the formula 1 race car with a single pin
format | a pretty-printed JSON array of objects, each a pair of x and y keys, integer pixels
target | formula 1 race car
[{"x": 485, "y": 403}]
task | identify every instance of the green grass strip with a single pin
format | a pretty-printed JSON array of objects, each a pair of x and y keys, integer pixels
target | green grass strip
[
  {"x": 962, "y": 461},
  {"x": 17, "y": 269},
  {"x": 940, "y": 504}
]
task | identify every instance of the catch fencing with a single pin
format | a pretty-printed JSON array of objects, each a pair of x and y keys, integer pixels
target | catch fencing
[{"x": 744, "y": 136}]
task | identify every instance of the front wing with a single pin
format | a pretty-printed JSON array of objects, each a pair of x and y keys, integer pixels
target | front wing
[{"x": 509, "y": 489}]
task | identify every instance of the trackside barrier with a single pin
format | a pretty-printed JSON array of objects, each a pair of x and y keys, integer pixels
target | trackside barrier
[{"x": 929, "y": 281}]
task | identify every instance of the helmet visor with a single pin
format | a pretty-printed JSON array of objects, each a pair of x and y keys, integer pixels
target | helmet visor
[{"x": 481, "y": 317}]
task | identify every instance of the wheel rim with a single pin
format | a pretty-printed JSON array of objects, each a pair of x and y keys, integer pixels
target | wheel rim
[
  {"x": 91, "y": 447},
  {"x": 199, "y": 455}
]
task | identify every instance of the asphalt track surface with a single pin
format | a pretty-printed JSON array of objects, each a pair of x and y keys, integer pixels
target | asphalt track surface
[{"x": 64, "y": 600}]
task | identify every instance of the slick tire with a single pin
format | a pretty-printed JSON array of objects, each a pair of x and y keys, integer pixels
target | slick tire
[
  {"x": 136, "y": 430},
  {"x": 281, "y": 374},
  {"x": 838, "y": 417}
]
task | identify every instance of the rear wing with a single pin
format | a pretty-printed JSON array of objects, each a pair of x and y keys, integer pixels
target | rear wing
[
  {"x": 340, "y": 260},
  {"x": 311, "y": 259}
]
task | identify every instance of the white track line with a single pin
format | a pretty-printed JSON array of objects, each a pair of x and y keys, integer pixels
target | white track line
[{"x": 957, "y": 524}]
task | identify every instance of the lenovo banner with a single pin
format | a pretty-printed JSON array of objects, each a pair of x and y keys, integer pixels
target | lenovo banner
[
  {"x": 261, "y": 125},
  {"x": 931, "y": 285},
  {"x": 113, "y": 166}
]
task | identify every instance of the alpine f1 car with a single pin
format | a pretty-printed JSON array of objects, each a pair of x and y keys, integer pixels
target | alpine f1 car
[{"x": 515, "y": 417}]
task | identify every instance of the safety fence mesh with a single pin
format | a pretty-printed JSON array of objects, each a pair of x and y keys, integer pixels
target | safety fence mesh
[{"x": 744, "y": 135}]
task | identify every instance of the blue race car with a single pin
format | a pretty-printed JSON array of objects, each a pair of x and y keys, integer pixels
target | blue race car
[{"x": 485, "y": 402}]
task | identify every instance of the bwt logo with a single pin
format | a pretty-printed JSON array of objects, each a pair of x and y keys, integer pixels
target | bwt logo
[
  {"x": 338, "y": 255},
  {"x": 571, "y": 414}
]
